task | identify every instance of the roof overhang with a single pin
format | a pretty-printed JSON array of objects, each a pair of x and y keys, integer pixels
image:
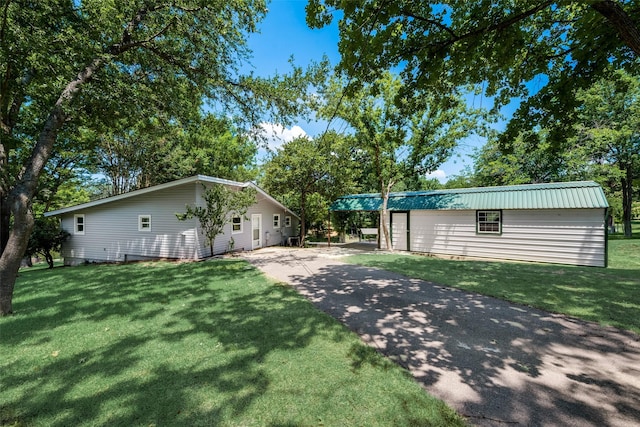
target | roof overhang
[
  {"x": 559, "y": 195},
  {"x": 189, "y": 180}
]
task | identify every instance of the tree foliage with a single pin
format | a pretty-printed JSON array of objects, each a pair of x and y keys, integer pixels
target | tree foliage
[
  {"x": 151, "y": 152},
  {"x": 530, "y": 158},
  {"x": 221, "y": 204},
  {"x": 72, "y": 65},
  {"x": 505, "y": 49},
  {"x": 393, "y": 143},
  {"x": 47, "y": 237},
  {"x": 608, "y": 134},
  {"x": 310, "y": 173}
]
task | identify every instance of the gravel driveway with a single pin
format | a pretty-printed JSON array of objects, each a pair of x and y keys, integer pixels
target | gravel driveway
[{"x": 497, "y": 363}]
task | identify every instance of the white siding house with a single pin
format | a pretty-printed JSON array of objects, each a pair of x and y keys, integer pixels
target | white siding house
[
  {"x": 561, "y": 223},
  {"x": 142, "y": 224}
]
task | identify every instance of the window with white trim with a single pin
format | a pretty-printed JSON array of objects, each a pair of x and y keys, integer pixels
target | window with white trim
[
  {"x": 489, "y": 222},
  {"x": 236, "y": 224},
  {"x": 144, "y": 223},
  {"x": 78, "y": 224},
  {"x": 287, "y": 221},
  {"x": 276, "y": 221}
]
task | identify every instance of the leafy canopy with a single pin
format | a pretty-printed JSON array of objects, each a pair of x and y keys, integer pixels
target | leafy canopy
[
  {"x": 392, "y": 142},
  {"x": 70, "y": 66},
  {"x": 310, "y": 173},
  {"x": 503, "y": 48}
]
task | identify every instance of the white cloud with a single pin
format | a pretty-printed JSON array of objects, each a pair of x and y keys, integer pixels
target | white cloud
[
  {"x": 275, "y": 134},
  {"x": 439, "y": 174}
]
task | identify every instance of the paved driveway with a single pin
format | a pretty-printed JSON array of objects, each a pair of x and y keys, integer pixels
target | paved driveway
[{"x": 498, "y": 364}]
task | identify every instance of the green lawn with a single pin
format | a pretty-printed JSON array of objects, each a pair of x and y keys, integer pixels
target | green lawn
[
  {"x": 610, "y": 296},
  {"x": 210, "y": 343}
]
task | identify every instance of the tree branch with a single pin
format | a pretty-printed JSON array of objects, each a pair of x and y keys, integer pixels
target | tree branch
[
  {"x": 620, "y": 21},
  {"x": 127, "y": 35},
  {"x": 495, "y": 27},
  {"x": 409, "y": 14}
]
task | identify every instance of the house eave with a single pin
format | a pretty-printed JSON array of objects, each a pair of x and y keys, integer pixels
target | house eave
[{"x": 183, "y": 181}]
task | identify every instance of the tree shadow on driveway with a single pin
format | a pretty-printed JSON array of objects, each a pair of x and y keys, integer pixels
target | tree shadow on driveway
[{"x": 495, "y": 362}]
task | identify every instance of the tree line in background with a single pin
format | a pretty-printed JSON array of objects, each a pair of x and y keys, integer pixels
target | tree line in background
[{"x": 141, "y": 93}]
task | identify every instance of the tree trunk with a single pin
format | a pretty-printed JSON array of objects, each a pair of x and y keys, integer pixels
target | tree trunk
[
  {"x": 14, "y": 250},
  {"x": 49, "y": 258},
  {"x": 19, "y": 197},
  {"x": 5, "y": 221},
  {"x": 620, "y": 21},
  {"x": 627, "y": 200},
  {"x": 383, "y": 215}
]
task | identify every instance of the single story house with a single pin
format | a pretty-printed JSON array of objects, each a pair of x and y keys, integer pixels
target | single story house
[
  {"x": 142, "y": 224},
  {"x": 563, "y": 222}
]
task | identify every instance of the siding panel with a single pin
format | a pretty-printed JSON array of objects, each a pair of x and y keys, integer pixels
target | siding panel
[
  {"x": 112, "y": 235},
  {"x": 569, "y": 236},
  {"x": 111, "y": 230}
]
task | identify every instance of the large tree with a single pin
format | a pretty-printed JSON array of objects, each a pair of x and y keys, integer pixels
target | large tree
[
  {"x": 608, "y": 133},
  {"x": 309, "y": 173},
  {"x": 68, "y": 64},
  {"x": 395, "y": 143},
  {"x": 528, "y": 159},
  {"x": 153, "y": 151},
  {"x": 507, "y": 49}
]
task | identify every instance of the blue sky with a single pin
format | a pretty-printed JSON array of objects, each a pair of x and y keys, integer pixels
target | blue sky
[{"x": 284, "y": 33}]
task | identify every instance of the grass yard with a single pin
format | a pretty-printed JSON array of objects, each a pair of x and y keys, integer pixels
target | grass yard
[
  {"x": 210, "y": 343},
  {"x": 610, "y": 296}
]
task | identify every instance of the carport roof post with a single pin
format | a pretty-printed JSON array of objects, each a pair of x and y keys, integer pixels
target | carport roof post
[{"x": 557, "y": 195}]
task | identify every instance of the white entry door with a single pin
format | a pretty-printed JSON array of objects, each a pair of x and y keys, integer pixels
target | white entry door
[
  {"x": 256, "y": 231},
  {"x": 399, "y": 231}
]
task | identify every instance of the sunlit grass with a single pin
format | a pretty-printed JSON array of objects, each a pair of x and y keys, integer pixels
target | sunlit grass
[
  {"x": 610, "y": 296},
  {"x": 211, "y": 343}
]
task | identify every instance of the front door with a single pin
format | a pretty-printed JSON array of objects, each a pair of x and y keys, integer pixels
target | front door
[{"x": 256, "y": 231}]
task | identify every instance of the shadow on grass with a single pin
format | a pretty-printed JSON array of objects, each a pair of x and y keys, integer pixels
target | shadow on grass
[{"x": 116, "y": 330}]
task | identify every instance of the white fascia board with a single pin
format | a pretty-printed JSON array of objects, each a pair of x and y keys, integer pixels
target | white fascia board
[
  {"x": 196, "y": 179},
  {"x": 268, "y": 197}
]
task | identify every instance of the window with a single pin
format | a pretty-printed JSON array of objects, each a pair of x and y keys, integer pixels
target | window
[
  {"x": 236, "y": 225},
  {"x": 276, "y": 221},
  {"x": 78, "y": 224},
  {"x": 144, "y": 223},
  {"x": 287, "y": 221},
  {"x": 489, "y": 222}
]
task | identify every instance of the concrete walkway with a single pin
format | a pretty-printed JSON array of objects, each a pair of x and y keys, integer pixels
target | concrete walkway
[{"x": 496, "y": 363}]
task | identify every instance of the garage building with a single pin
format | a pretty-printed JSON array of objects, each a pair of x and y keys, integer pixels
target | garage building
[{"x": 562, "y": 222}]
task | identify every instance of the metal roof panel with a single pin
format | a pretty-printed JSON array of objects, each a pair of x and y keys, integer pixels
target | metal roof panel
[{"x": 557, "y": 195}]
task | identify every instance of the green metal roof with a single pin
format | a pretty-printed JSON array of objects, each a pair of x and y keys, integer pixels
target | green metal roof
[{"x": 556, "y": 195}]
